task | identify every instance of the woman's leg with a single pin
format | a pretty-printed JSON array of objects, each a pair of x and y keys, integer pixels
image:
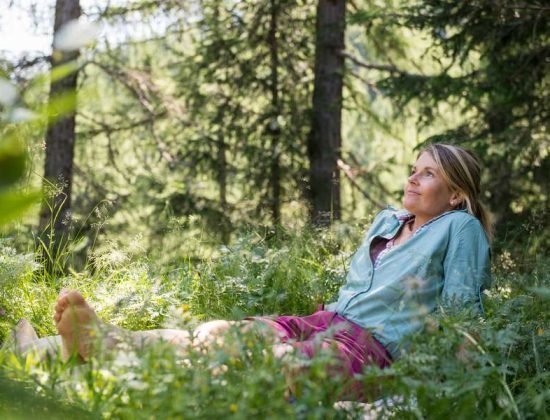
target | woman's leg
[
  {"x": 24, "y": 333},
  {"x": 52, "y": 346},
  {"x": 43, "y": 347},
  {"x": 25, "y": 340},
  {"x": 78, "y": 327},
  {"x": 214, "y": 332}
]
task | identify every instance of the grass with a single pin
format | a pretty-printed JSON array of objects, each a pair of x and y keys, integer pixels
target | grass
[{"x": 458, "y": 366}]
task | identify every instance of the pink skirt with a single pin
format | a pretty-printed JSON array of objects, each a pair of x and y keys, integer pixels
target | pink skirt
[{"x": 353, "y": 347}]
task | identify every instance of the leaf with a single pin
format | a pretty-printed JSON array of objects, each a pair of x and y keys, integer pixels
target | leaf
[
  {"x": 75, "y": 34},
  {"x": 12, "y": 161},
  {"x": 60, "y": 106},
  {"x": 8, "y": 93},
  {"x": 14, "y": 204},
  {"x": 542, "y": 292},
  {"x": 59, "y": 72}
]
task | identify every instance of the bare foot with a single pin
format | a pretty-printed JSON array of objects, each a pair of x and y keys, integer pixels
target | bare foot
[
  {"x": 25, "y": 340},
  {"x": 24, "y": 334},
  {"x": 75, "y": 321}
]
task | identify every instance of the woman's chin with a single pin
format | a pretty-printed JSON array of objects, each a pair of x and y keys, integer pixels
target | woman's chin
[{"x": 407, "y": 205}]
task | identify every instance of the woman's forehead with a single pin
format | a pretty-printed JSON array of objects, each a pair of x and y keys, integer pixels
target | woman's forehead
[{"x": 425, "y": 160}]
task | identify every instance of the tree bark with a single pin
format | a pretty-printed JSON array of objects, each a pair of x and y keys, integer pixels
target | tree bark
[
  {"x": 222, "y": 175},
  {"x": 55, "y": 215},
  {"x": 275, "y": 130},
  {"x": 324, "y": 142}
]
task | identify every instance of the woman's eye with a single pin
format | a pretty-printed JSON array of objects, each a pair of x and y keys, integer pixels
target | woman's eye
[{"x": 429, "y": 174}]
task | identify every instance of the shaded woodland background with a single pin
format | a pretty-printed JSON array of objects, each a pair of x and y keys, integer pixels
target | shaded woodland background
[{"x": 180, "y": 161}]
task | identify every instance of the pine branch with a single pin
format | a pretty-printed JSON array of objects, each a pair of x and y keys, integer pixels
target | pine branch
[
  {"x": 112, "y": 129},
  {"x": 380, "y": 67},
  {"x": 347, "y": 170}
]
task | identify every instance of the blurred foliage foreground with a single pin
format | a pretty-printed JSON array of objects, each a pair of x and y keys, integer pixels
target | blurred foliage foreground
[{"x": 495, "y": 367}]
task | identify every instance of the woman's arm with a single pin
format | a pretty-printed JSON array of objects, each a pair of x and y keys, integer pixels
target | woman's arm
[{"x": 467, "y": 267}]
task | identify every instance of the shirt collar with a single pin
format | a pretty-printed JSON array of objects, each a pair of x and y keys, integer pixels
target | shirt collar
[{"x": 404, "y": 215}]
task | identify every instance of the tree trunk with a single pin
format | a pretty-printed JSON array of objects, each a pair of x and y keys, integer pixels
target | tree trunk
[
  {"x": 55, "y": 216},
  {"x": 325, "y": 141},
  {"x": 275, "y": 130},
  {"x": 225, "y": 229}
]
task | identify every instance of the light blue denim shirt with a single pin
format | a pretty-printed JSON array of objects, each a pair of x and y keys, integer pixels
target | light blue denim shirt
[{"x": 447, "y": 261}]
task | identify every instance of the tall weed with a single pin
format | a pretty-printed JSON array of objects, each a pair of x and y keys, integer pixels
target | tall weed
[{"x": 458, "y": 366}]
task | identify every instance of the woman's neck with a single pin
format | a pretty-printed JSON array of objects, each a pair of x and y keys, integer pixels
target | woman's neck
[{"x": 418, "y": 221}]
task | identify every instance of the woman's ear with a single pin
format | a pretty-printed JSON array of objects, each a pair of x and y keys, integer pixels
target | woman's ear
[{"x": 456, "y": 199}]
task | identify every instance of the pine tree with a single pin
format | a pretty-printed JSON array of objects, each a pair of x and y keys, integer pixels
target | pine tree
[
  {"x": 55, "y": 215},
  {"x": 493, "y": 68},
  {"x": 325, "y": 139}
]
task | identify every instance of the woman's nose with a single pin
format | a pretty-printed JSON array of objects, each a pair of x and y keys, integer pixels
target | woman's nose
[{"x": 412, "y": 178}]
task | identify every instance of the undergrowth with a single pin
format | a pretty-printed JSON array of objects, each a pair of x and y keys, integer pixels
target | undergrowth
[{"x": 496, "y": 367}]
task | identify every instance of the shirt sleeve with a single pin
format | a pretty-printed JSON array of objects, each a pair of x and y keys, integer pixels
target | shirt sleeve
[{"x": 467, "y": 268}]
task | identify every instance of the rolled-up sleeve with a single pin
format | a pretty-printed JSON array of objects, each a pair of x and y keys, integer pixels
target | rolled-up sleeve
[{"x": 467, "y": 268}]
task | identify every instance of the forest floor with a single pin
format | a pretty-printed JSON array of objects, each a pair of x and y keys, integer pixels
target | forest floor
[{"x": 459, "y": 366}]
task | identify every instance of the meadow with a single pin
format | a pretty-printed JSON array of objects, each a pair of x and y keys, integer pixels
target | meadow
[{"x": 459, "y": 366}]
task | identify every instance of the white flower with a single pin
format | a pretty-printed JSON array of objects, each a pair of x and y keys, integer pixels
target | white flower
[
  {"x": 126, "y": 359},
  {"x": 21, "y": 115},
  {"x": 414, "y": 283},
  {"x": 8, "y": 93},
  {"x": 75, "y": 34}
]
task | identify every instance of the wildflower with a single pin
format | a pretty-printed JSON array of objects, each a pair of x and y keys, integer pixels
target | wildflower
[
  {"x": 488, "y": 293},
  {"x": 136, "y": 245},
  {"x": 505, "y": 292},
  {"x": 505, "y": 262},
  {"x": 233, "y": 408},
  {"x": 67, "y": 218},
  {"x": 414, "y": 282},
  {"x": 126, "y": 359},
  {"x": 431, "y": 325}
]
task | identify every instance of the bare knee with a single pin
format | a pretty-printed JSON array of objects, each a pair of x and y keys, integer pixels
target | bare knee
[
  {"x": 211, "y": 330},
  {"x": 280, "y": 350},
  {"x": 214, "y": 331},
  {"x": 292, "y": 369},
  {"x": 176, "y": 337}
]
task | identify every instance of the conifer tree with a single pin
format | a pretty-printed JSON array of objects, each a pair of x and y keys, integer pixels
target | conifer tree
[
  {"x": 493, "y": 68},
  {"x": 55, "y": 215},
  {"x": 247, "y": 89},
  {"x": 325, "y": 139}
]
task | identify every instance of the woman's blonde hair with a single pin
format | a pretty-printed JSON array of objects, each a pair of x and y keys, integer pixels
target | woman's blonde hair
[{"x": 461, "y": 170}]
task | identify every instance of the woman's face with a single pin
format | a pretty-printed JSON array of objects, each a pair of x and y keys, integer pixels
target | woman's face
[{"x": 427, "y": 195}]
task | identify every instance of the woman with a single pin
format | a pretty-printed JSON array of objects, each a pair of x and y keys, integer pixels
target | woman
[{"x": 435, "y": 252}]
